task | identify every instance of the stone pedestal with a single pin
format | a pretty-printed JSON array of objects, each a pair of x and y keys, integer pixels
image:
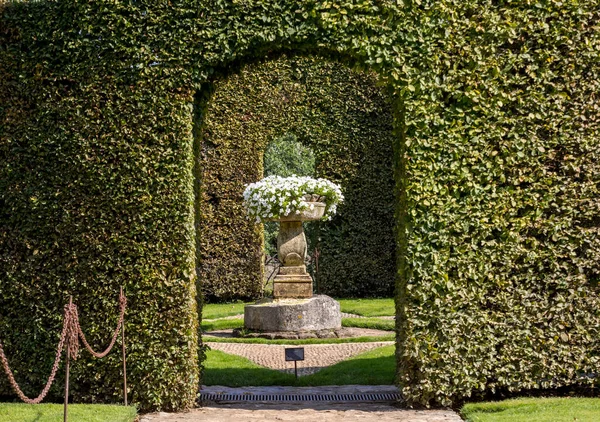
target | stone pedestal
[
  {"x": 298, "y": 315},
  {"x": 293, "y": 281}
]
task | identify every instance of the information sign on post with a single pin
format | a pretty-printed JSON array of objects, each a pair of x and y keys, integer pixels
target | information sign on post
[{"x": 294, "y": 354}]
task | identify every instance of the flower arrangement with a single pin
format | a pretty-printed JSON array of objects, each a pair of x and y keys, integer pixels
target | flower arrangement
[{"x": 277, "y": 196}]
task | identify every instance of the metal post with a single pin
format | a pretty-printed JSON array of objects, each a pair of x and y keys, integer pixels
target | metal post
[
  {"x": 67, "y": 370},
  {"x": 124, "y": 357},
  {"x": 316, "y": 253},
  {"x": 296, "y": 368}
]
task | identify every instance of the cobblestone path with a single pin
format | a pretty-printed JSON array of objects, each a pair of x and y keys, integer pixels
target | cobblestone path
[{"x": 317, "y": 356}]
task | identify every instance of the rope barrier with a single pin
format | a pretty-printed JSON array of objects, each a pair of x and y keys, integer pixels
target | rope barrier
[{"x": 69, "y": 340}]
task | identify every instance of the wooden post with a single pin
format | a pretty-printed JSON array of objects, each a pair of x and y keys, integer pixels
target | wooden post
[
  {"x": 67, "y": 370},
  {"x": 124, "y": 357}
]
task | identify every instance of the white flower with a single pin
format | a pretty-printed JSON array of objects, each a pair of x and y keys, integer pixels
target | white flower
[{"x": 275, "y": 196}]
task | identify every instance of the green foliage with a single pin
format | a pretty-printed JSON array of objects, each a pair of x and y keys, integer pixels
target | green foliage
[
  {"x": 285, "y": 156},
  {"x": 499, "y": 284},
  {"x": 566, "y": 409},
  {"x": 496, "y": 179},
  {"x": 345, "y": 120}
]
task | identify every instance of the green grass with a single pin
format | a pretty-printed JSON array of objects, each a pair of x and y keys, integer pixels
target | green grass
[
  {"x": 368, "y": 307},
  {"x": 221, "y": 310},
  {"x": 222, "y": 324},
  {"x": 375, "y": 367},
  {"x": 374, "y": 323},
  {"x": 534, "y": 410},
  {"x": 20, "y": 412},
  {"x": 366, "y": 339}
]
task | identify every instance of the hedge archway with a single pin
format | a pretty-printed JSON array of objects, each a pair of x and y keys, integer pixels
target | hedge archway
[{"x": 499, "y": 237}]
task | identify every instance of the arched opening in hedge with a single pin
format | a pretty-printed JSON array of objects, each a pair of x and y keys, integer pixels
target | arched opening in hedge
[{"x": 347, "y": 121}]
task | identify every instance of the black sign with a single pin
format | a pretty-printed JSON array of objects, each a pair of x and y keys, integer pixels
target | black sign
[{"x": 294, "y": 353}]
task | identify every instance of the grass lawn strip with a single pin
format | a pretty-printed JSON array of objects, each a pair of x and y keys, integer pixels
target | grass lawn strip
[
  {"x": 375, "y": 367},
  {"x": 368, "y": 307},
  {"x": 222, "y": 324},
  {"x": 564, "y": 409},
  {"x": 222, "y": 310},
  {"x": 13, "y": 412},
  {"x": 374, "y": 323}
]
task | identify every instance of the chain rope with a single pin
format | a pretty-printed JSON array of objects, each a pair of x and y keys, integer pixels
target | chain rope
[
  {"x": 63, "y": 336},
  {"x": 122, "y": 306},
  {"x": 69, "y": 340}
]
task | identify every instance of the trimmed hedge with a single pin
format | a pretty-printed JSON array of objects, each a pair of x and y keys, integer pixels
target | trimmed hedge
[
  {"x": 497, "y": 181},
  {"x": 347, "y": 121}
]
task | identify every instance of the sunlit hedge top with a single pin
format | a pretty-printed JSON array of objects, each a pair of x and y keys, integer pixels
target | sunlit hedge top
[{"x": 276, "y": 196}]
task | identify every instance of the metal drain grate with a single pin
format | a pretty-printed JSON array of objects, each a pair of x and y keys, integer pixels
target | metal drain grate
[{"x": 299, "y": 398}]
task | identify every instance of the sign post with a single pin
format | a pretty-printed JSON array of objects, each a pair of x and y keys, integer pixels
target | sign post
[{"x": 294, "y": 354}]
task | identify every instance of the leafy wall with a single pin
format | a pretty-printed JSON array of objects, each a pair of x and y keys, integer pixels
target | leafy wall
[
  {"x": 347, "y": 122},
  {"x": 497, "y": 179}
]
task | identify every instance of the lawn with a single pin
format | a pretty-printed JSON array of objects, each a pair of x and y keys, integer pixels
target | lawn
[
  {"x": 534, "y": 410},
  {"x": 375, "y": 367},
  {"x": 368, "y": 307},
  {"x": 374, "y": 323},
  {"x": 222, "y": 324},
  {"x": 20, "y": 412},
  {"x": 222, "y": 310}
]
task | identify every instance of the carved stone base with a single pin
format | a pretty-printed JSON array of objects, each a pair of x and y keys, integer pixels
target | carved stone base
[
  {"x": 289, "y": 290},
  {"x": 314, "y": 314},
  {"x": 292, "y": 282}
]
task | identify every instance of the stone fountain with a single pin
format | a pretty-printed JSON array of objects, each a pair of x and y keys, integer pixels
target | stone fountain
[{"x": 293, "y": 307}]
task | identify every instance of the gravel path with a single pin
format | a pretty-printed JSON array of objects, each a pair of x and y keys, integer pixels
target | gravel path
[
  {"x": 317, "y": 356},
  {"x": 326, "y": 412}
]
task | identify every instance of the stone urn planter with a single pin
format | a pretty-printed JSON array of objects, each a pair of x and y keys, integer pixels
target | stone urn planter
[
  {"x": 293, "y": 281},
  {"x": 293, "y": 310}
]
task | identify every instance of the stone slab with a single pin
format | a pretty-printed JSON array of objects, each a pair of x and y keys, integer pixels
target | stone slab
[{"x": 314, "y": 314}]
